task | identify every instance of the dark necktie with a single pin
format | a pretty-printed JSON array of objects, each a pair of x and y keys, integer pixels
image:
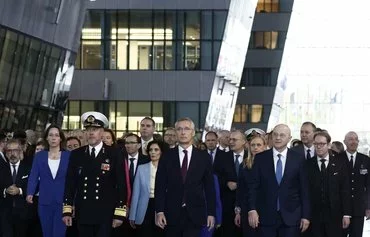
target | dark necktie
[
  {"x": 237, "y": 164},
  {"x": 323, "y": 167},
  {"x": 351, "y": 162},
  {"x": 93, "y": 153},
  {"x": 308, "y": 156},
  {"x": 279, "y": 175},
  {"x": 14, "y": 175},
  {"x": 211, "y": 155},
  {"x": 184, "y": 166},
  {"x": 131, "y": 170}
]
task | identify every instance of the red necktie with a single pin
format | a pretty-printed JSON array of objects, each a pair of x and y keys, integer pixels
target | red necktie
[{"x": 184, "y": 166}]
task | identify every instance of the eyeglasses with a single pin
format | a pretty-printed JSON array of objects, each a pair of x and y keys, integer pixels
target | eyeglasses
[
  {"x": 128, "y": 143},
  {"x": 186, "y": 129},
  {"x": 320, "y": 144},
  {"x": 12, "y": 151}
]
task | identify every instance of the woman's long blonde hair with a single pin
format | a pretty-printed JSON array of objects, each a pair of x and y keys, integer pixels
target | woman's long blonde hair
[{"x": 248, "y": 162}]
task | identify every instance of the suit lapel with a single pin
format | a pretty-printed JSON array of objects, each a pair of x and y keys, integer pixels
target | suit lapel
[
  {"x": 271, "y": 166},
  {"x": 288, "y": 166},
  {"x": 46, "y": 163},
  {"x": 62, "y": 164},
  {"x": 358, "y": 162},
  {"x": 176, "y": 163},
  {"x": 192, "y": 164},
  {"x": 19, "y": 173}
]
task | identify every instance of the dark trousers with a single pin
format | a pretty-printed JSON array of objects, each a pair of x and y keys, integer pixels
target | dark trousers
[
  {"x": 356, "y": 227},
  {"x": 13, "y": 225},
  {"x": 124, "y": 230},
  {"x": 280, "y": 229},
  {"x": 98, "y": 230},
  {"x": 148, "y": 228},
  {"x": 185, "y": 227},
  {"x": 332, "y": 228},
  {"x": 228, "y": 227}
]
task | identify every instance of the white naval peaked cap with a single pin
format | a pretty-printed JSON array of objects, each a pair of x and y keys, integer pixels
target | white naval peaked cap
[{"x": 94, "y": 119}]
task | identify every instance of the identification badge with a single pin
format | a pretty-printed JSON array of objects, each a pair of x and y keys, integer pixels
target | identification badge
[
  {"x": 105, "y": 167},
  {"x": 363, "y": 171}
]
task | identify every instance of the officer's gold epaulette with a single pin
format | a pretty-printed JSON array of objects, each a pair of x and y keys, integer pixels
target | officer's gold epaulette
[{"x": 121, "y": 211}]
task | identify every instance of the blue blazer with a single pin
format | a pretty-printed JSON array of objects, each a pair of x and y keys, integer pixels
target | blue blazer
[
  {"x": 293, "y": 191},
  {"x": 51, "y": 190},
  {"x": 141, "y": 193}
]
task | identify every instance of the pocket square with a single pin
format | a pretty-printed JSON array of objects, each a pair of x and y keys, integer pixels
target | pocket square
[
  {"x": 335, "y": 173},
  {"x": 25, "y": 177}
]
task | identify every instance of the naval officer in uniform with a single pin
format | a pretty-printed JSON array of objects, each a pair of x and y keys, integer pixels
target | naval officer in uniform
[{"x": 95, "y": 190}]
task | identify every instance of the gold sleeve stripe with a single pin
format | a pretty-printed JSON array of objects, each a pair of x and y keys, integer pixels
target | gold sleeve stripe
[
  {"x": 67, "y": 209},
  {"x": 120, "y": 211}
]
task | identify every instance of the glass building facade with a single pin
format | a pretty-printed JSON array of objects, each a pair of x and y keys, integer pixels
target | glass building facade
[
  {"x": 151, "y": 39},
  {"x": 35, "y": 79}
]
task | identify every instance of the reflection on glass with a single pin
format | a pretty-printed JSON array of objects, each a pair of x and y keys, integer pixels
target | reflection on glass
[
  {"x": 206, "y": 25},
  {"x": 112, "y": 115},
  {"x": 91, "y": 57},
  {"x": 192, "y": 53},
  {"x": 192, "y": 25},
  {"x": 93, "y": 25},
  {"x": 158, "y": 55},
  {"x": 206, "y": 54},
  {"x": 122, "y": 52},
  {"x": 256, "y": 113},
  {"x": 140, "y": 54},
  {"x": 170, "y": 56},
  {"x": 219, "y": 24}
]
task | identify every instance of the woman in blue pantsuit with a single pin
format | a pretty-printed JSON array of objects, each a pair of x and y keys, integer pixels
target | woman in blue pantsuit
[{"x": 48, "y": 173}]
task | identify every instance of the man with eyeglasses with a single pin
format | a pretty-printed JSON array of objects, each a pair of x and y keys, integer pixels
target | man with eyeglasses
[
  {"x": 15, "y": 212},
  {"x": 170, "y": 137},
  {"x": 278, "y": 198},
  {"x": 329, "y": 191},
  {"x": 147, "y": 129},
  {"x": 184, "y": 187}
]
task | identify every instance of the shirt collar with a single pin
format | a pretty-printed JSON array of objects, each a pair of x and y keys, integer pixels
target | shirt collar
[
  {"x": 283, "y": 153},
  {"x": 189, "y": 149},
  {"x": 241, "y": 154},
  {"x": 306, "y": 148},
  {"x": 97, "y": 148},
  {"x": 136, "y": 156},
  {"x": 16, "y": 164},
  {"x": 349, "y": 154},
  {"x": 326, "y": 158}
]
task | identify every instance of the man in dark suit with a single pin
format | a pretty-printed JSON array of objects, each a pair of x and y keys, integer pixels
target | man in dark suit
[
  {"x": 134, "y": 158},
  {"x": 95, "y": 183},
  {"x": 279, "y": 202},
  {"x": 329, "y": 191},
  {"x": 230, "y": 164},
  {"x": 184, "y": 187},
  {"x": 308, "y": 129},
  {"x": 358, "y": 166},
  {"x": 147, "y": 129},
  {"x": 214, "y": 152},
  {"x": 15, "y": 213}
]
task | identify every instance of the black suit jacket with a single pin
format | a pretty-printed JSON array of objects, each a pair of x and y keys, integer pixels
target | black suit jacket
[
  {"x": 338, "y": 188},
  {"x": 359, "y": 180},
  {"x": 293, "y": 191},
  {"x": 300, "y": 149},
  {"x": 217, "y": 160},
  {"x": 198, "y": 191},
  {"x": 96, "y": 187},
  {"x": 16, "y": 203}
]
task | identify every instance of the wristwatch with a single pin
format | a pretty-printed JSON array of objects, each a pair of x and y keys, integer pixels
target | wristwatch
[{"x": 237, "y": 210}]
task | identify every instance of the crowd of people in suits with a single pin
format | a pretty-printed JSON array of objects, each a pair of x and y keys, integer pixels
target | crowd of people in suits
[{"x": 234, "y": 183}]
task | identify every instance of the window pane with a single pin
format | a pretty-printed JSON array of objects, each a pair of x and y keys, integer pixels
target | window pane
[
  {"x": 122, "y": 50},
  {"x": 206, "y": 53},
  {"x": 93, "y": 25},
  {"x": 170, "y": 55},
  {"x": 74, "y": 115},
  {"x": 170, "y": 22},
  {"x": 141, "y": 24},
  {"x": 192, "y": 53},
  {"x": 78, "y": 59},
  {"x": 179, "y": 55},
  {"x": 87, "y": 106},
  {"x": 140, "y": 54},
  {"x": 158, "y": 115},
  {"x": 159, "y": 25},
  {"x": 110, "y": 54},
  {"x": 180, "y": 25},
  {"x": 110, "y": 28},
  {"x": 6, "y": 61},
  {"x": 65, "y": 118},
  {"x": 275, "y": 5},
  {"x": 121, "y": 120},
  {"x": 122, "y": 16},
  {"x": 137, "y": 111},
  {"x": 112, "y": 115},
  {"x": 206, "y": 25},
  {"x": 244, "y": 112},
  {"x": 91, "y": 54},
  {"x": 237, "y": 115},
  {"x": 219, "y": 24},
  {"x": 192, "y": 25},
  {"x": 216, "y": 52},
  {"x": 256, "y": 113},
  {"x": 158, "y": 55},
  {"x": 188, "y": 109}
]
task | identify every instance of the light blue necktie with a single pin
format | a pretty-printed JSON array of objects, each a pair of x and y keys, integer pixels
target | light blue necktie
[{"x": 279, "y": 175}]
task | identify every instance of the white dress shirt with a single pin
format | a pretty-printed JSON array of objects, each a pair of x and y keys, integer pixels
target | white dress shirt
[
  {"x": 136, "y": 157},
  {"x": 225, "y": 149},
  {"x": 326, "y": 161},
  {"x": 153, "y": 172},
  {"x": 312, "y": 151},
  {"x": 11, "y": 171},
  {"x": 97, "y": 148},
  {"x": 54, "y": 165},
  {"x": 283, "y": 158},
  {"x": 144, "y": 144},
  {"x": 354, "y": 157},
  {"x": 182, "y": 154},
  {"x": 240, "y": 158}
]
